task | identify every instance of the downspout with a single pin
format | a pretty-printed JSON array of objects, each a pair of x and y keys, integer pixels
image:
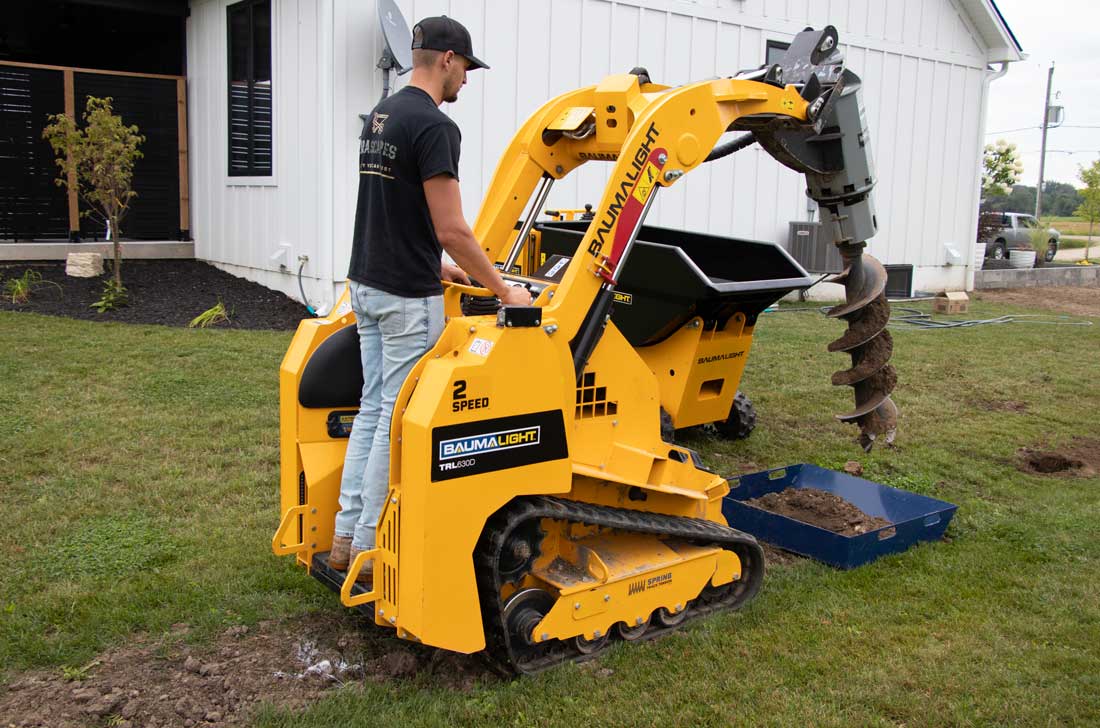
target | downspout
[{"x": 990, "y": 77}]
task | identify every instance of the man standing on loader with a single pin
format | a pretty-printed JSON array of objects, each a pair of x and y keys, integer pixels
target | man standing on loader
[{"x": 408, "y": 211}]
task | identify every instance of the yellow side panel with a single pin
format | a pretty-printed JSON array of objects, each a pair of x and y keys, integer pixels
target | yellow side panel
[
  {"x": 480, "y": 394},
  {"x": 616, "y": 428},
  {"x": 303, "y": 436},
  {"x": 699, "y": 371}
]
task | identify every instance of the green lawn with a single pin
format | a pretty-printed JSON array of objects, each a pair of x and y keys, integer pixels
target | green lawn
[{"x": 139, "y": 464}]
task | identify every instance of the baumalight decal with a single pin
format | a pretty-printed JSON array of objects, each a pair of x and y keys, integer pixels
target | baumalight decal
[{"x": 483, "y": 446}]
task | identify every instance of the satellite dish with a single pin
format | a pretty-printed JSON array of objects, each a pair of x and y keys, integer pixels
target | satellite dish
[{"x": 395, "y": 30}]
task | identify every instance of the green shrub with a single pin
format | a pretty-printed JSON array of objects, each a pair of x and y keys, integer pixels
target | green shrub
[
  {"x": 216, "y": 314},
  {"x": 19, "y": 289}
]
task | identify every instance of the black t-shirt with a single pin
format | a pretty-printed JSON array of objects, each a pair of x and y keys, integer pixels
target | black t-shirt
[{"x": 407, "y": 140}]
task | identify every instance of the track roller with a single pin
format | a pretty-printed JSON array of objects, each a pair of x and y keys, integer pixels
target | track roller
[
  {"x": 632, "y": 632},
  {"x": 591, "y": 646},
  {"x": 667, "y": 618},
  {"x": 870, "y": 345}
]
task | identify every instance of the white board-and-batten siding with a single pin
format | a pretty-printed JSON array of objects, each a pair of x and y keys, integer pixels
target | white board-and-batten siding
[{"x": 921, "y": 61}]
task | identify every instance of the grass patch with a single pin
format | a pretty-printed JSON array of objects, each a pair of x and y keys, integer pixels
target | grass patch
[
  {"x": 1068, "y": 225},
  {"x": 115, "y": 547},
  {"x": 141, "y": 492}
]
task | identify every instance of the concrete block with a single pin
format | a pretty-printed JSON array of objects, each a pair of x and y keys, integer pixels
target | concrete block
[
  {"x": 84, "y": 265},
  {"x": 1077, "y": 275}
]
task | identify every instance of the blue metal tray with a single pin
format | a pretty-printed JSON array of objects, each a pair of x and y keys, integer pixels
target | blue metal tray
[{"x": 914, "y": 517}]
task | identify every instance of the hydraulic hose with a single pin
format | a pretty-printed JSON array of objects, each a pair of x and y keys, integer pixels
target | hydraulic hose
[{"x": 733, "y": 145}]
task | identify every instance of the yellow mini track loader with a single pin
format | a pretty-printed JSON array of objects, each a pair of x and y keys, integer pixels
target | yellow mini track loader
[{"x": 534, "y": 509}]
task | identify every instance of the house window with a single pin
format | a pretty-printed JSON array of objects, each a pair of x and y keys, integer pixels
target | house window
[
  {"x": 250, "y": 88},
  {"x": 775, "y": 51}
]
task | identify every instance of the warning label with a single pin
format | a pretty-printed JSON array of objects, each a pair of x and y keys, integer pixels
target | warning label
[{"x": 646, "y": 182}]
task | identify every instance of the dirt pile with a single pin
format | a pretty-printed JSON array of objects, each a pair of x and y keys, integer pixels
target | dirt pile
[
  {"x": 1081, "y": 458},
  {"x": 164, "y": 682},
  {"x": 819, "y": 508}
]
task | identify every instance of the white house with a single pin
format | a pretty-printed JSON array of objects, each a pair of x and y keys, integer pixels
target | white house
[{"x": 283, "y": 184}]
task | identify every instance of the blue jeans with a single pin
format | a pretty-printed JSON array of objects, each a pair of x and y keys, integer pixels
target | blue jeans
[{"x": 394, "y": 332}]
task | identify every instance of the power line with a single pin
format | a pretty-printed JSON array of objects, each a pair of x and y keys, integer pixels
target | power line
[
  {"x": 1064, "y": 151},
  {"x": 1010, "y": 131},
  {"x": 1060, "y": 126}
]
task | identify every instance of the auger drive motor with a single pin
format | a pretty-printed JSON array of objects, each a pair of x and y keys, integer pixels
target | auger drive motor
[{"x": 534, "y": 510}]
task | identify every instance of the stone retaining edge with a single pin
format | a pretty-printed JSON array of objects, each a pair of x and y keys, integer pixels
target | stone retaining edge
[{"x": 1078, "y": 275}]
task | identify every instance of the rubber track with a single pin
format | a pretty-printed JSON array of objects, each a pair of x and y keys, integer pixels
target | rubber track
[{"x": 509, "y": 658}]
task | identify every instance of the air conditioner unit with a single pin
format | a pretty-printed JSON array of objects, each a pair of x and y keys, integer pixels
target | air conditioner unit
[
  {"x": 808, "y": 245},
  {"x": 899, "y": 280}
]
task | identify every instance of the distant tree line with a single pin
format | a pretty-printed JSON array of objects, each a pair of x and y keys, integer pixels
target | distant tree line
[{"x": 1059, "y": 200}]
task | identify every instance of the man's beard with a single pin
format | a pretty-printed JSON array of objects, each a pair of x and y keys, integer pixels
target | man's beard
[{"x": 451, "y": 99}]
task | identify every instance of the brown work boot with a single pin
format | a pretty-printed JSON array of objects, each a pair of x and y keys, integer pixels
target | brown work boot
[
  {"x": 338, "y": 557},
  {"x": 366, "y": 574}
]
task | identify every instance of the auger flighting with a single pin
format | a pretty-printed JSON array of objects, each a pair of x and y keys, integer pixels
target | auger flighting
[{"x": 870, "y": 344}]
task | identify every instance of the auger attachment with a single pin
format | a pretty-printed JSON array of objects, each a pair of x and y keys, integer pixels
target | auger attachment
[
  {"x": 833, "y": 150},
  {"x": 870, "y": 345}
]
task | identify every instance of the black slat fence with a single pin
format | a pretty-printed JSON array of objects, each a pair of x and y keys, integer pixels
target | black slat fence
[{"x": 32, "y": 207}]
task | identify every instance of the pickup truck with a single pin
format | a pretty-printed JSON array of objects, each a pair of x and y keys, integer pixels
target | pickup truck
[{"x": 1012, "y": 231}]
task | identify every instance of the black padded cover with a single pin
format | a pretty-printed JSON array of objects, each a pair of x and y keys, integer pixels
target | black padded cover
[{"x": 333, "y": 376}]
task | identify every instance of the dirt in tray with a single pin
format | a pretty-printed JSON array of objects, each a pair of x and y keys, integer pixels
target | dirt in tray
[
  {"x": 819, "y": 508},
  {"x": 166, "y": 682},
  {"x": 168, "y": 292},
  {"x": 1080, "y": 458}
]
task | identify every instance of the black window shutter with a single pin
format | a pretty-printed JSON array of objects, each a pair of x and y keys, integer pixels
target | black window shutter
[{"x": 249, "y": 31}]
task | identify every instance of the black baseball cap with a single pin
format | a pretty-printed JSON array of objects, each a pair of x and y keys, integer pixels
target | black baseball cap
[{"x": 445, "y": 34}]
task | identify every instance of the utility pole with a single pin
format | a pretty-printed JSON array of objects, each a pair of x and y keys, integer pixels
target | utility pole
[{"x": 1043, "y": 153}]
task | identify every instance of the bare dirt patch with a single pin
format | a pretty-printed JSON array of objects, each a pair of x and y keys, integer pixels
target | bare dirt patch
[
  {"x": 1077, "y": 301},
  {"x": 819, "y": 508},
  {"x": 775, "y": 556},
  {"x": 1001, "y": 405},
  {"x": 164, "y": 682},
  {"x": 1080, "y": 458}
]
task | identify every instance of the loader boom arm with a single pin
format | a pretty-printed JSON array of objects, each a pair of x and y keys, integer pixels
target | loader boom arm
[{"x": 805, "y": 111}]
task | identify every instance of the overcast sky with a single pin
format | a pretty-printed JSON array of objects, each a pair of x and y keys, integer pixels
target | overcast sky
[{"x": 1066, "y": 32}]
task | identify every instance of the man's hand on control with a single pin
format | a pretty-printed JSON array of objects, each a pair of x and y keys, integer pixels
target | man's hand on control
[
  {"x": 516, "y": 296},
  {"x": 454, "y": 274}
]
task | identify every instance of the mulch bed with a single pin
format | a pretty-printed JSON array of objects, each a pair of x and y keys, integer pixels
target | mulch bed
[
  {"x": 166, "y": 292},
  {"x": 819, "y": 508}
]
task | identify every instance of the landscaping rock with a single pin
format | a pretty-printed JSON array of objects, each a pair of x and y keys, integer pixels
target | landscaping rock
[{"x": 84, "y": 265}]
